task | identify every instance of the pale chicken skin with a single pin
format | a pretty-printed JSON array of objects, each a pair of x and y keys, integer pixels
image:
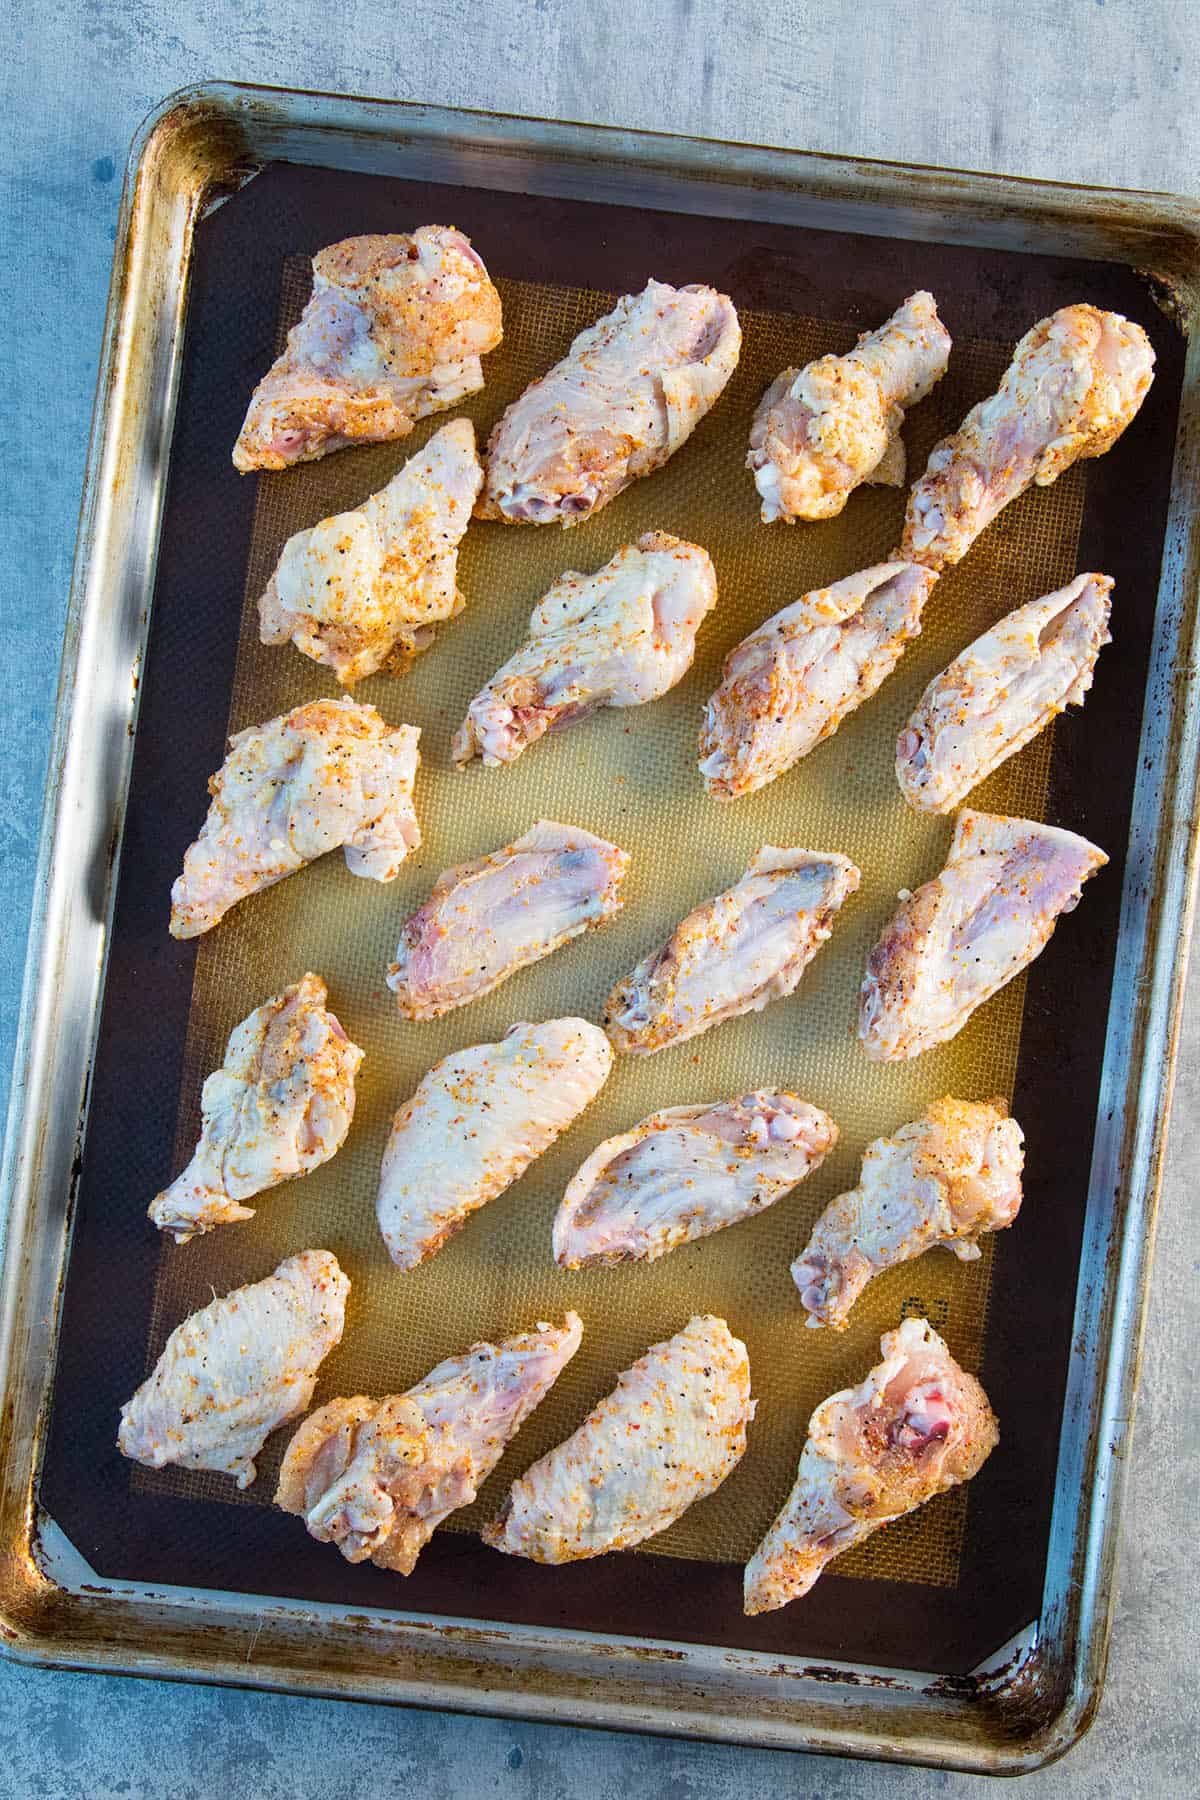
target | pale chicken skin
[
  {"x": 235, "y": 1371},
  {"x": 377, "y": 1477},
  {"x": 1075, "y": 382},
  {"x": 1004, "y": 688},
  {"x": 620, "y": 637},
  {"x": 631, "y": 389},
  {"x": 788, "y": 686},
  {"x": 476, "y": 1122},
  {"x": 486, "y": 919},
  {"x": 821, "y": 431},
  {"x": 331, "y": 774},
  {"x": 916, "y": 1426},
  {"x": 669, "y": 1434},
  {"x": 280, "y": 1106},
  {"x": 959, "y": 939},
  {"x": 685, "y": 1172},
  {"x": 366, "y": 589},
  {"x": 733, "y": 954},
  {"x": 946, "y": 1178},
  {"x": 394, "y": 331}
]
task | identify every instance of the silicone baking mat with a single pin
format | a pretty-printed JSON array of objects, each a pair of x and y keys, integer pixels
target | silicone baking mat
[{"x": 631, "y": 776}]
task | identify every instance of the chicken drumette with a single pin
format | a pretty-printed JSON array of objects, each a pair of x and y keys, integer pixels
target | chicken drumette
[
  {"x": 394, "y": 330},
  {"x": 946, "y": 1178},
  {"x": 328, "y": 774},
  {"x": 281, "y": 1105},
  {"x": 377, "y": 1477},
  {"x": 916, "y": 1426},
  {"x": 368, "y": 587},
  {"x": 822, "y": 430},
  {"x": 1075, "y": 382}
]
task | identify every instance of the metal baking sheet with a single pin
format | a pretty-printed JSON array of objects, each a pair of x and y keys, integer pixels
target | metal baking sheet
[{"x": 953, "y": 1638}]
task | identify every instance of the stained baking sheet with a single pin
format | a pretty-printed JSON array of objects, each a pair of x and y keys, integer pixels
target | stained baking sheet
[{"x": 632, "y": 777}]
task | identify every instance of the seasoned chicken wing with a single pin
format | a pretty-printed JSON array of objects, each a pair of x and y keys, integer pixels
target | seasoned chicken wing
[
  {"x": 733, "y": 954},
  {"x": 280, "y": 1106},
  {"x": 946, "y": 1178},
  {"x": 630, "y": 390},
  {"x": 685, "y": 1172},
  {"x": 377, "y": 1477},
  {"x": 916, "y": 1426},
  {"x": 822, "y": 430},
  {"x": 476, "y": 1122},
  {"x": 669, "y": 1433},
  {"x": 239, "y": 1368},
  {"x": 328, "y": 774},
  {"x": 619, "y": 637},
  {"x": 961, "y": 937},
  {"x": 394, "y": 331},
  {"x": 486, "y": 919},
  {"x": 368, "y": 587},
  {"x": 1002, "y": 690},
  {"x": 788, "y": 686},
  {"x": 1074, "y": 383}
]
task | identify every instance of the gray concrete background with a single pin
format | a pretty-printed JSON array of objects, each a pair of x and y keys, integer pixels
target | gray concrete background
[{"x": 1081, "y": 91}]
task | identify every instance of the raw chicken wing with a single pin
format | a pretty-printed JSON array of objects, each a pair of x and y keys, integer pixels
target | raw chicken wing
[
  {"x": 916, "y": 1426},
  {"x": 670, "y": 1432},
  {"x": 239, "y": 1368},
  {"x": 685, "y": 1172},
  {"x": 789, "y": 685},
  {"x": 394, "y": 331},
  {"x": 951, "y": 1175},
  {"x": 1002, "y": 690},
  {"x": 328, "y": 774},
  {"x": 476, "y": 1122},
  {"x": 367, "y": 588},
  {"x": 821, "y": 430},
  {"x": 486, "y": 919},
  {"x": 630, "y": 390},
  {"x": 617, "y": 638},
  {"x": 733, "y": 954},
  {"x": 961, "y": 937},
  {"x": 280, "y": 1106},
  {"x": 1074, "y": 383},
  {"x": 377, "y": 1477}
]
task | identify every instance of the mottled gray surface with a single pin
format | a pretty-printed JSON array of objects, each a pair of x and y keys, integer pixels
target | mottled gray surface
[{"x": 1104, "y": 92}]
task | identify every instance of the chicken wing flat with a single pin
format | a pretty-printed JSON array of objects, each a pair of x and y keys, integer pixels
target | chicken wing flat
[
  {"x": 377, "y": 1477},
  {"x": 368, "y": 587},
  {"x": 394, "y": 331},
  {"x": 280, "y": 1106},
  {"x": 916, "y": 1426},
  {"x": 686, "y": 1172},
  {"x": 670, "y": 1432},
  {"x": 822, "y": 430},
  {"x": 328, "y": 774},
  {"x": 486, "y": 919},
  {"x": 961, "y": 937},
  {"x": 946, "y": 1178},
  {"x": 1074, "y": 383},
  {"x": 788, "y": 686},
  {"x": 476, "y": 1122},
  {"x": 239, "y": 1368},
  {"x": 630, "y": 390},
  {"x": 620, "y": 637},
  {"x": 1002, "y": 690},
  {"x": 735, "y": 953}
]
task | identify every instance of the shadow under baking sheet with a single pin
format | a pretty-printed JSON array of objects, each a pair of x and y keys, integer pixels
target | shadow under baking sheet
[{"x": 937, "y": 1591}]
